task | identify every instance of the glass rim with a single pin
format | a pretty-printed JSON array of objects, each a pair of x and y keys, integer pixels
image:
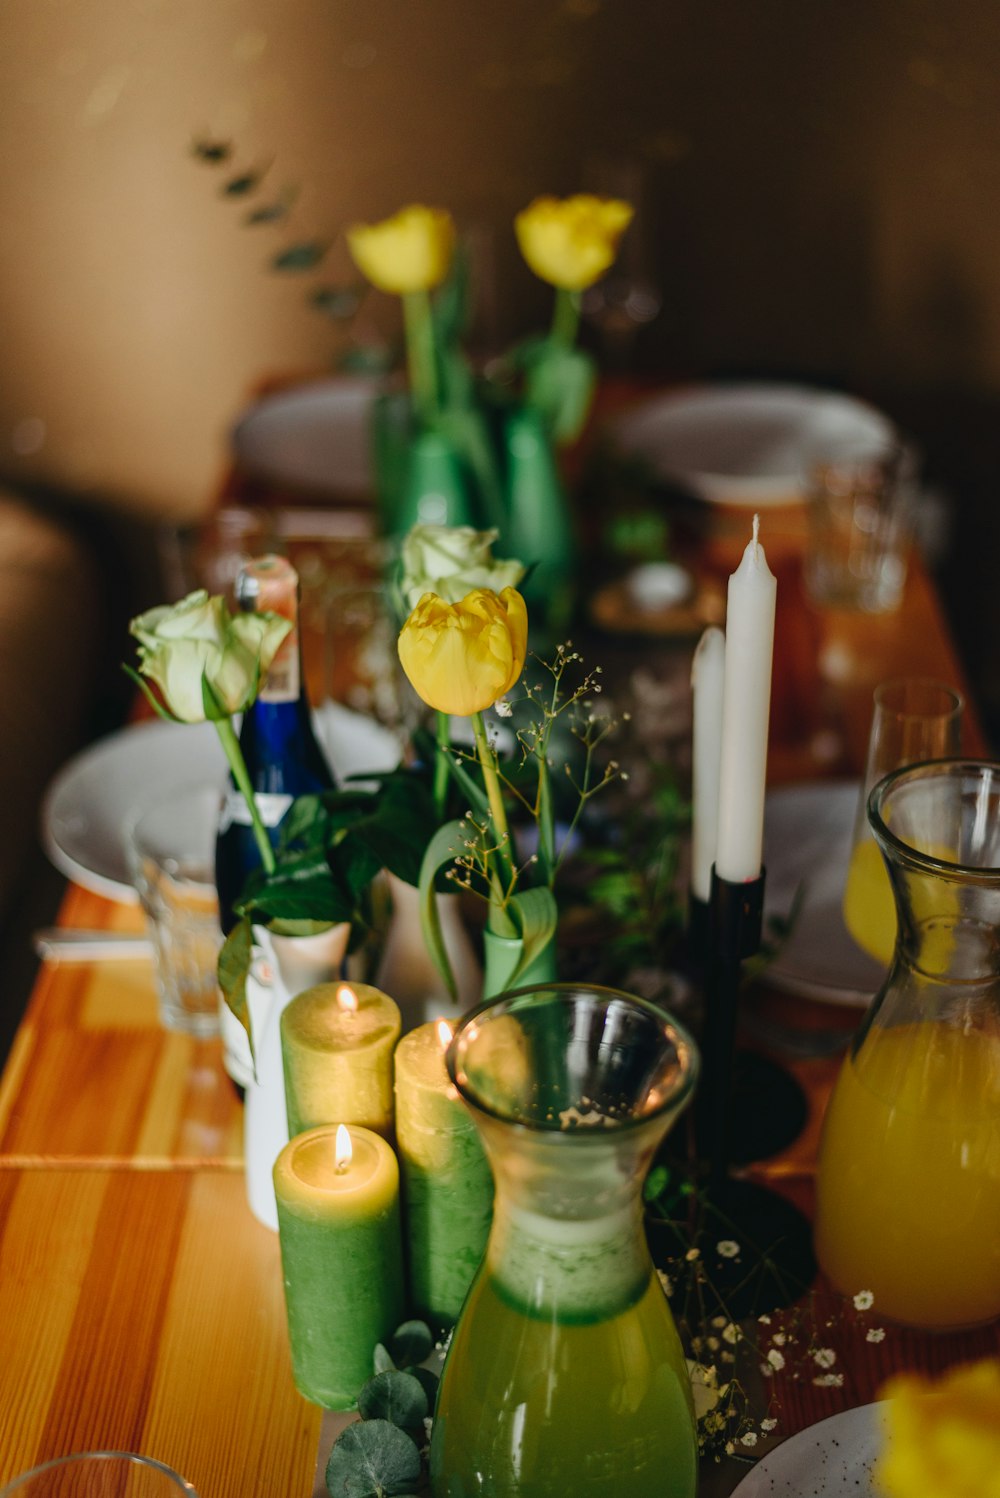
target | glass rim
[
  {"x": 684, "y": 1043},
  {"x": 912, "y": 857},
  {"x": 905, "y": 715},
  {"x": 137, "y": 1458}
]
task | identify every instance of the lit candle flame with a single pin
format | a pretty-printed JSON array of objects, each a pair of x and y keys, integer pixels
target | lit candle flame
[
  {"x": 343, "y": 1150},
  {"x": 444, "y": 1033},
  {"x": 347, "y": 998}
]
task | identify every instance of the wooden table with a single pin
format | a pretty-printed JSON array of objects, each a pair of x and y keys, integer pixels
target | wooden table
[{"x": 141, "y": 1303}]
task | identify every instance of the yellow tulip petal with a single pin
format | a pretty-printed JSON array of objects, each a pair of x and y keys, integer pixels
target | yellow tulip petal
[
  {"x": 571, "y": 242},
  {"x": 461, "y": 657},
  {"x": 411, "y": 251}
]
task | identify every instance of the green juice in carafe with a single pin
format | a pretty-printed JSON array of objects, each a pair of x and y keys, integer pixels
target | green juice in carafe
[{"x": 575, "y": 1408}]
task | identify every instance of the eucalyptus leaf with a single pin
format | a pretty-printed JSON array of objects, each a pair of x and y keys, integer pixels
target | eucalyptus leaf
[
  {"x": 394, "y": 1396},
  {"x": 372, "y": 1459},
  {"x": 244, "y": 184},
  {"x": 212, "y": 152},
  {"x": 300, "y": 257},
  {"x": 411, "y": 1343},
  {"x": 428, "y": 1381},
  {"x": 382, "y": 1358}
]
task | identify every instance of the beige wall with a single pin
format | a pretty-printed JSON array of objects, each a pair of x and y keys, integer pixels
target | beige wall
[{"x": 821, "y": 183}]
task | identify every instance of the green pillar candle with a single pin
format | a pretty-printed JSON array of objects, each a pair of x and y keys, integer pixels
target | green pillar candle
[
  {"x": 341, "y": 1257},
  {"x": 337, "y": 1041},
  {"x": 447, "y": 1184}
]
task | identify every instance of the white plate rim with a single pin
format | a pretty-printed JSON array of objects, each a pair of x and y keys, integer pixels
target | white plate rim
[
  {"x": 854, "y": 1433},
  {"x": 349, "y": 397},
  {"x": 202, "y": 762},
  {"x": 738, "y": 400}
]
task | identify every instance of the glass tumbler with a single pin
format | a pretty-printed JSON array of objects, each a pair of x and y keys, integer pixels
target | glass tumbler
[
  {"x": 908, "y": 1187},
  {"x": 914, "y": 719},
  {"x": 565, "y": 1373},
  {"x": 99, "y": 1474}
]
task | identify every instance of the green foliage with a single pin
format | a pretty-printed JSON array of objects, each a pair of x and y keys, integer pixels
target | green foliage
[
  {"x": 300, "y": 257},
  {"x": 380, "y": 1457},
  {"x": 374, "y": 1459}
]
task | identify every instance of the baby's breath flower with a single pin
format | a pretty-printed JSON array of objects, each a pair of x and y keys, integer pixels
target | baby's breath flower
[
  {"x": 692, "y": 1254},
  {"x": 768, "y": 1424},
  {"x": 731, "y": 1333},
  {"x": 727, "y": 1248},
  {"x": 750, "y": 1439},
  {"x": 829, "y": 1381},
  {"x": 666, "y": 1282},
  {"x": 775, "y": 1358},
  {"x": 875, "y": 1334},
  {"x": 824, "y": 1357},
  {"x": 864, "y": 1300},
  {"x": 764, "y": 1320},
  {"x": 779, "y": 1339},
  {"x": 502, "y": 708}
]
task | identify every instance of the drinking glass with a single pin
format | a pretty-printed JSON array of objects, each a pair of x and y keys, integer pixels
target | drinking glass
[
  {"x": 914, "y": 719},
  {"x": 860, "y": 510},
  {"x": 171, "y": 851},
  {"x": 565, "y": 1373},
  {"x": 99, "y": 1474}
]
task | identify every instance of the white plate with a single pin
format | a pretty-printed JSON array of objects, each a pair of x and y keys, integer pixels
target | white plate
[
  {"x": 832, "y": 1459},
  {"x": 88, "y": 804},
  {"x": 313, "y": 437},
  {"x": 745, "y": 444},
  {"x": 807, "y": 842}
]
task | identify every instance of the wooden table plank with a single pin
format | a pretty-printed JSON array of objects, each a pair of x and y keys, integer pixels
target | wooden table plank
[{"x": 144, "y": 1310}]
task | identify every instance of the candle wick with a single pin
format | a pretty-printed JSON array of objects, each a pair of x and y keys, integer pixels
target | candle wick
[
  {"x": 756, "y": 535},
  {"x": 342, "y": 1167}
]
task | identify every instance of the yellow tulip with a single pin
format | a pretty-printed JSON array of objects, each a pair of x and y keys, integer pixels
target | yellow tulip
[
  {"x": 943, "y": 1436},
  {"x": 571, "y": 242},
  {"x": 411, "y": 251},
  {"x": 462, "y": 657}
]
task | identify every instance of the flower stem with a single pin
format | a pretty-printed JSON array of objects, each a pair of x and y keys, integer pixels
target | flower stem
[
  {"x": 420, "y": 356},
  {"x": 441, "y": 767},
  {"x": 565, "y": 316},
  {"x": 231, "y": 746},
  {"x": 498, "y": 816}
]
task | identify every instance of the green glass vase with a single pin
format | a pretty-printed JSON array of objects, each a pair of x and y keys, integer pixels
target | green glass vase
[{"x": 565, "y": 1374}]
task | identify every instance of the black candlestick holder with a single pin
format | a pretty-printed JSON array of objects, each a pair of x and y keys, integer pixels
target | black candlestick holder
[{"x": 728, "y": 931}]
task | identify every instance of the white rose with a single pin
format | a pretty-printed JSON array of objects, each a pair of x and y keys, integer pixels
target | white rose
[
  {"x": 183, "y": 644},
  {"x": 452, "y": 560}
]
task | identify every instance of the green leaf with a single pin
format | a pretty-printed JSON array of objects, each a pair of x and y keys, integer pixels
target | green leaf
[
  {"x": 394, "y": 1396},
  {"x": 151, "y": 698},
  {"x": 535, "y": 915},
  {"x": 382, "y": 1358},
  {"x": 245, "y": 183},
  {"x": 372, "y": 1459},
  {"x": 444, "y": 847},
  {"x": 411, "y": 1343},
  {"x": 428, "y": 1381},
  {"x": 338, "y": 302},
  {"x": 233, "y": 969},
  {"x": 656, "y": 1183},
  {"x": 212, "y": 152},
  {"x": 300, "y": 257},
  {"x": 559, "y": 383}
]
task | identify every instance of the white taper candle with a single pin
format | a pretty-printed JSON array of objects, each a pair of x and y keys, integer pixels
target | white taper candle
[
  {"x": 746, "y": 702},
  {"x": 707, "y": 671}
]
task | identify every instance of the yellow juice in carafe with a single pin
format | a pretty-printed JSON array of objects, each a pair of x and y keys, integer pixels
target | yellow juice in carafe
[{"x": 908, "y": 1189}]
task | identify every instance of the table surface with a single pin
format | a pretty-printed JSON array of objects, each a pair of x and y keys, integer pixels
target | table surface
[{"x": 141, "y": 1303}]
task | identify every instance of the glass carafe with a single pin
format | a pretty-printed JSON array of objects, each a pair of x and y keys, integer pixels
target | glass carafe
[
  {"x": 908, "y": 1190},
  {"x": 565, "y": 1373}
]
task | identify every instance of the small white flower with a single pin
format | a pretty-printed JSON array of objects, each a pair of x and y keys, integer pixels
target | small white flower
[
  {"x": 692, "y": 1254},
  {"x": 750, "y": 1439},
  {"x": 864, "y": 1300},
  {"x": 829, "y": 1381},
  {"x": 824, "y": 1357},
  {"x": 776, "y": 1358},
  {"x": 728, "y": 1248},
  {"x": 666, "y": 1282},
  {"x": 779, "y": 1339},
  {"x": 730, "y": 1448},
  {"x": 502, "y": 708},
  {"x": 768, "y": 1424},
  {"x": 764, "y": 1320},
  {"x": 767, "y": 1370},
  {"x": 731, "y": 1333},
  {"x": 875, "y": 1334}
]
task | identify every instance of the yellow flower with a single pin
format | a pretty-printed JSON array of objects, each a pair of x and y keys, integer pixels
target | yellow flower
[
  {"x": 943, "y": 1437},
  {"x": 409, "y": 252},
  {"x": 460, "y": 657},
  {"x": 571, "y": 242}
]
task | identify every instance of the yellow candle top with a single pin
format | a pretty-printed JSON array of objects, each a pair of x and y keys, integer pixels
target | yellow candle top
[
  {"x": 341, "y": 1017},
  {"x": 336, "y": 1173}
]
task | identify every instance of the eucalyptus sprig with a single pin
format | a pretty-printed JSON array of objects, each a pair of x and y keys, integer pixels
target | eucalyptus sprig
[{"x": 385, "y": 1452}]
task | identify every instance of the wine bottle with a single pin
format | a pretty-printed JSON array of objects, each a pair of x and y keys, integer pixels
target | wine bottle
[{"x": 282, "y": 755}]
